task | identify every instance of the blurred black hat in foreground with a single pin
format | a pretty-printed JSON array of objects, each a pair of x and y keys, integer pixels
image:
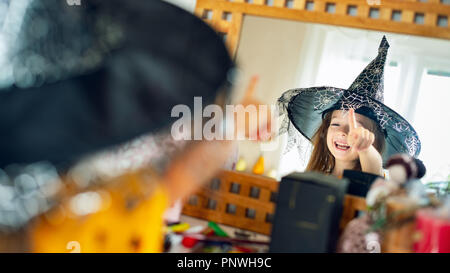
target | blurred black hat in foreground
[{"x": 79, "y": 78}]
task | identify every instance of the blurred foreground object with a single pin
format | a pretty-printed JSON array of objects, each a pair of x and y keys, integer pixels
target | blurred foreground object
[
  {"x": 433, "y": 230},
  {"x": 79, "y": 79},
  {"x": 123, "y": 216},
  {"x": 308, "y": 213},
  {"x": 400, "y": 216},
  {"x": 395, "y": 202},
  {"x": 76, "y": 79}
]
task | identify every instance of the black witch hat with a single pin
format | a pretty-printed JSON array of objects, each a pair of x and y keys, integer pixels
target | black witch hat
[
  {"x": 79, "y": 78},
  {"x": 305, "y": 107},
  {"x": 75, "y": 79}
]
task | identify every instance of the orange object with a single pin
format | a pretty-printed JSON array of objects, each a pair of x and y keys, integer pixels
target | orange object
[
  {"x": 128, "y": 219},
  {"x": 259, "y": 166}
]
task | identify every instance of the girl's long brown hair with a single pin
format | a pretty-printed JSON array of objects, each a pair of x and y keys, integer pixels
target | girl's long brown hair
[{"x": 322, "y": 160}]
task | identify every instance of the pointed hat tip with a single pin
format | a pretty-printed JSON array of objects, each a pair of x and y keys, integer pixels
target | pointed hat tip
[{"x": 384, "y": 44}]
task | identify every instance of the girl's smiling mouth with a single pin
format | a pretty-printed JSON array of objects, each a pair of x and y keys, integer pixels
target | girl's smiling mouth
[{"x": 341, "y": 146}]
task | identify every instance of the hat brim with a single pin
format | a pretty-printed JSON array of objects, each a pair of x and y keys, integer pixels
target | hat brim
[{"x": 305, "y": 107}]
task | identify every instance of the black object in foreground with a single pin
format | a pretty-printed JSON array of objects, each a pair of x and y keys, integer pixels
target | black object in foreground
[
  {"x": 307, "y": 215},
  {"x": 360, "y": 182},
  {"x": 100, "y": 74}
]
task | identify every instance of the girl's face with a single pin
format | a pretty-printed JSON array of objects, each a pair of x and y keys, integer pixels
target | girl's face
[{"x": 337, "y": 135}]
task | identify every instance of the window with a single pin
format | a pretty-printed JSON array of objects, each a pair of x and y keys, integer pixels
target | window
[{"x": 432, "y": 123}]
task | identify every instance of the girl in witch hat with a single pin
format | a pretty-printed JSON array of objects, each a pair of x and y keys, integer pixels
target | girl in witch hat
[{"x": 349, "y": 128}]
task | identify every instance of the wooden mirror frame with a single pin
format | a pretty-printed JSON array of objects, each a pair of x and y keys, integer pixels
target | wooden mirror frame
[{"x": 414, "y": 17}]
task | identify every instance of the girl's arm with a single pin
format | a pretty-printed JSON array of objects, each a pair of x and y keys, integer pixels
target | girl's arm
[
  {"x": 371, "y": 161},
  {"x": 362, "y": 139},
  {"x": 201, "y": 160}
]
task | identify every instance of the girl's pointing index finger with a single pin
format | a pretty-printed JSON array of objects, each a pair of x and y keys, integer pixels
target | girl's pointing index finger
[{"x": 352, "y": 118}]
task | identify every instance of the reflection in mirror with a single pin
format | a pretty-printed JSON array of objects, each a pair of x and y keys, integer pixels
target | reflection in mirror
[{"x": 287, "y": 54}]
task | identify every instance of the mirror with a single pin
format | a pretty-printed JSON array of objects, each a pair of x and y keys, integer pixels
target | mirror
[{"x": 291, "y": 54}]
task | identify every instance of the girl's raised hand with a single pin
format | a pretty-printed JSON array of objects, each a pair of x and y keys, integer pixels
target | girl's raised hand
[
  {"x": 358, "y": 137},
  {"x": 263, "y": 124}
]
